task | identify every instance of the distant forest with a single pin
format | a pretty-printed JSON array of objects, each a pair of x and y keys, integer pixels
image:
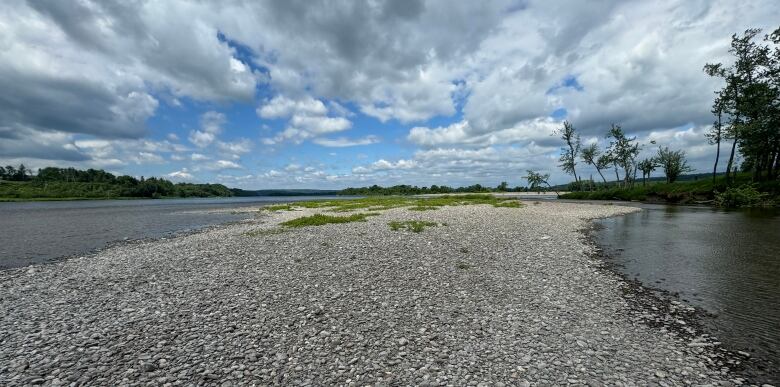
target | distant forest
[
  {"x": 60, "y": 183},
  {"x": 434, "y": 189}
]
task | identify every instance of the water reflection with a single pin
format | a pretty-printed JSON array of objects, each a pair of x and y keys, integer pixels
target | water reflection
[{"x": 726, "y": 262}]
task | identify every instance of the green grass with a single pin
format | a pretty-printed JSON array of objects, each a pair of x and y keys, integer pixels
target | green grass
[
  {"x": 279, "y": 207},
  {"x": 321, "y": 219},
  {"x": 411, "y": 225},
  {"x": 380, "y": 203}
]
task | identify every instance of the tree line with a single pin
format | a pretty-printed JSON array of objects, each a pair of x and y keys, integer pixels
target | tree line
[
  {"x": 620, "y": 155},
  {"x": 70, "y": 182},
  {"x": 746, "y": 111},
  {"x": 747, "y": 107},
  {"x": 433, "y": 189}
]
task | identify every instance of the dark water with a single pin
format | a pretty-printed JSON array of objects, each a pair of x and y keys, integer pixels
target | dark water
[
  {"x": 37, "y": 232},
  {"x": 727, "y": 262}
]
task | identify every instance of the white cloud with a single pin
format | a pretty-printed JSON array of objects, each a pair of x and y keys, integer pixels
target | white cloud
[
  {"x": 224, "y": 164},
  {"x": 180, "y": 175},
  {"x": 341, "y": 142},
  {"x": 307, "y": 119}
]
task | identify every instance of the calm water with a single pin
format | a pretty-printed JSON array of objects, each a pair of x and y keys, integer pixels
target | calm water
[
  {"x": 725, "y": 262},
  {"x": 37, "y": 232}
]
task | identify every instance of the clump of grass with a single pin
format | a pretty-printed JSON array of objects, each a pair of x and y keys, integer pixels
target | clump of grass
[
  {"x": 265, "y": 231},
  {"x": 279, "y": 207},
  {"x": 321, "y": 219},
  {"x": 411, "y": 225},
  {"x": 379, "y": 203},
  {"x": 464, "y": 250},
  {"x": 537, "y": 203},
  {"x": 463, "y": 266}
]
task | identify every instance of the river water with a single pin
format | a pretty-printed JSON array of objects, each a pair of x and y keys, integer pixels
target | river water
[
  {"x": 726, "y": 262},
  {"x": 38, "y": 232}
]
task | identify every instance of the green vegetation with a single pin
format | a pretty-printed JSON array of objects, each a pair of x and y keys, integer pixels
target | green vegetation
[
  {"x": 747, "y": 114},
  {"x": 321, "y": 219},
  {"x": 402, "y": 190},
  {"x": 379, "y": 203},
  {"x": 68, "y": 183},
  {"x": 411, "y": 225},
  {"x": 743, "y": 196},
  {"x": 279, "y": 207},
  {"x": 691, "y": 191}
]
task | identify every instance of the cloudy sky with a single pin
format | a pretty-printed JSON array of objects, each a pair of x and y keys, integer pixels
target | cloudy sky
[{"x": 343, "y": 93}]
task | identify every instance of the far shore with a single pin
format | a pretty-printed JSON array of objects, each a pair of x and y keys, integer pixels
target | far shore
[{"x": 436, "y": 292}]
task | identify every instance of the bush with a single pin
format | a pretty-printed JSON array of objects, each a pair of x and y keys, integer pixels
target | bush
[{"x": 745, "y": 195}]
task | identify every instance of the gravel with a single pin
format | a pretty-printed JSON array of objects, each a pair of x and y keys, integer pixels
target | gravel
[{"x": 493, "y": 296}]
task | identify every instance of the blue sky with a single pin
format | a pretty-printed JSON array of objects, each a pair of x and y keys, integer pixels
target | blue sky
[{"x": 307, "y": 94}]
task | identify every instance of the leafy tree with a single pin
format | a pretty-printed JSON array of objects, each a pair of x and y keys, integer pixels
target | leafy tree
[
  {"x": 673, "y": 163},
  {"x": 591, "y": 155},
  {"x": 622, "y": 151},
  {"x": 537, "y": 180},
  {"x": 503, "y": 187},
  {"x": 750, "y": 101},
  {"x": 647, "y": 166},
  {"x": 571, "y": 151}
]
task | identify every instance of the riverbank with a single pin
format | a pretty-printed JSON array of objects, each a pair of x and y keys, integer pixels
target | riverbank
[
  {"x": 486, "y": 295},
  {"x": 741, "y": 192}
]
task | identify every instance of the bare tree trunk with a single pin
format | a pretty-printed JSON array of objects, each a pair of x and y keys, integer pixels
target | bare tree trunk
[
  {"x": 731, "y": 160},
  {"x": 602, "y": 175},
  {"x": 717, "y": 152}
]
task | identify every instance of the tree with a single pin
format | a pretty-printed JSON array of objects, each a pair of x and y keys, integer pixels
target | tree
[
  {"x": 591, "y": 155},
  {"x": 673, "y": 163},
  {"x": 750, "y": 101},
  {"x": 537, "y": 180},
  {"x": 716, "y": 132},
  {"x": 571, "y": 151},
  {"x": 622, "y": 151},
  {"x": 503, "y": 187},
  {"x": 647, "y": 166}
]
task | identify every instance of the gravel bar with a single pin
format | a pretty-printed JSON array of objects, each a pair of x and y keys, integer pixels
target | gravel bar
[{"x": 489, "y": 297}]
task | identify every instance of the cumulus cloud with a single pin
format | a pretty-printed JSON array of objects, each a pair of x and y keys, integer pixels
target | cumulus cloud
[
  {"x": 75, "y": 74},
  {"x": 307, "y": 119}
]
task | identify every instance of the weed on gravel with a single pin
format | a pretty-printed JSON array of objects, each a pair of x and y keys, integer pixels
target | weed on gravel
[
  {"x": 411, "y": 225},
  {"x": 321, "y": 219},
  {"x": 379, "y": 203},
  {"x": 279, "y": 207}
]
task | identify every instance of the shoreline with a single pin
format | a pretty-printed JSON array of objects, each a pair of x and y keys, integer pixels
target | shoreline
[
  {"x": 297, "y": 261},
  {"x": 663, "y": 310}
]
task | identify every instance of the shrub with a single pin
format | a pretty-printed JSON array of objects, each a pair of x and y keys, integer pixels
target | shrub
[{"x": 745, "y": 195}]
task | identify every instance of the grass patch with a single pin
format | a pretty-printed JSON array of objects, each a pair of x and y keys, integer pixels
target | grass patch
[
  {"x": 321, "y": 219},
  {"x": 380, "y": 203},
  {"x": 463, "y": 266},
  {"x": 279, "y": 207},
  {"x": 265, "y": 231},
  {"x": 411, "y": 225}
]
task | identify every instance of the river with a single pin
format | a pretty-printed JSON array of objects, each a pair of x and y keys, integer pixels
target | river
[
  {"x": 725, "y": 262},
  {"x": 39, "y": 232}
]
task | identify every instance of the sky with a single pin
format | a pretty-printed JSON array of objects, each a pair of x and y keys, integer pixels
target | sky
[{"x": 331, "y": 94}]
